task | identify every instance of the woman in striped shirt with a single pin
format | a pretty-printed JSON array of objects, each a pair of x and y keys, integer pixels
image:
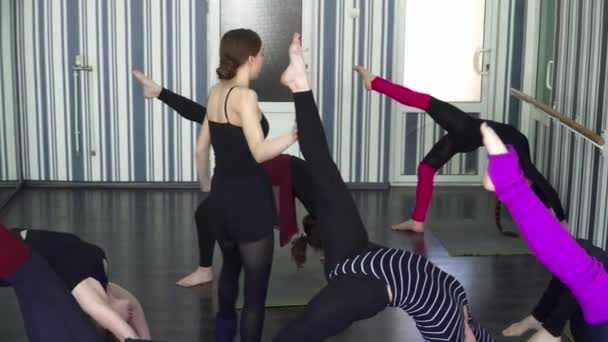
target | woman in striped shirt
[{"x": 364, "y": 278}]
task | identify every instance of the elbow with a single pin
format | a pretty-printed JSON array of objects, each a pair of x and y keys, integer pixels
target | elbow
[{"x": 258, "y": 157}]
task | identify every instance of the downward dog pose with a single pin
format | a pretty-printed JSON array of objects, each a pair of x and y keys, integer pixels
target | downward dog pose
[
  {"x": 241, "y": 202},
  {"x": 462, "y": 136},
  {"x": 291, "y": 174},
  {"x": 364, "y": 278},
  {"x": 83, "y": 269},
  {"x": 553, "y": 245},
  {"x": 556, "y": 307}
]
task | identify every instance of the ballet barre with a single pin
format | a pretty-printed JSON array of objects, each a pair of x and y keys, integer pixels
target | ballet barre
[{"x": 594, "y": 138}]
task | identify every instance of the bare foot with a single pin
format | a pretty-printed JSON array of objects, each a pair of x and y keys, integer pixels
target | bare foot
[
  {"x": 294, "y": 77},
  {"x": 367, "y": 76},
  {"x": 517, "y": 329},
  {"x": 151, "y": 88},
  {"x": 200, "y": 276},
  {"x": 409, "y": 225},
  {"x": 544, "y": 336}
]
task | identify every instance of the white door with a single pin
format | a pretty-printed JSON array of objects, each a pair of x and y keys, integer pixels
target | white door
[{"x": 446, "y": 49}]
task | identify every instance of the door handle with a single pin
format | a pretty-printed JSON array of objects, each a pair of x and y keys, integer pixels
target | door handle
[{"x": 477, "y": 59}]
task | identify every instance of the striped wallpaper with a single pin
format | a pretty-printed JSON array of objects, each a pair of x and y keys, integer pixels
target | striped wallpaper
[
  {"x": 355, "y": 121},
  {"x": 573, "y": 165},
  {"x": 8, "y": 95},
  {"x": 125, "y": 138},
  {"x": 122, "y": 136}
]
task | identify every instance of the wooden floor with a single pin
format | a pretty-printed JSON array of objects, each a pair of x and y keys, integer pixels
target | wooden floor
[{"x": 150, "y": 239}]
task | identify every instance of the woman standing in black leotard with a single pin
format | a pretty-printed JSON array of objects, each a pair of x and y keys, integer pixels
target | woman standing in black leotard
[{"x": 241, "y": 202}]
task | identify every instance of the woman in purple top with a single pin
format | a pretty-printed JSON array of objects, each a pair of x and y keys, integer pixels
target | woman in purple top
[{"x": 553, "y": 245}]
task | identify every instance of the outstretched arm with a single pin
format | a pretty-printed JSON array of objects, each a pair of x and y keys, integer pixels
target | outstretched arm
[
  {"x": 395, "y": 91},
  {"x": 185, "y": 107}
]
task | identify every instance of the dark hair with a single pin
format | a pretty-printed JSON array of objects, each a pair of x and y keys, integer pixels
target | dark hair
[
  {"x": 235, "y": 48},
  {"x": 310, "y": 237}
]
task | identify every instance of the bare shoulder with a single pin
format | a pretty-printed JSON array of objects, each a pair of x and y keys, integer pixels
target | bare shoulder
[{"x": 245, "y": 95}]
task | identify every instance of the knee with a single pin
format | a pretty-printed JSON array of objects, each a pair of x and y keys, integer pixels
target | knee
[{"x": 426, "y": 171}]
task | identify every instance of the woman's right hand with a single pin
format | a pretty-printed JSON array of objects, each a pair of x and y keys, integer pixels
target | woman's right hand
[
  {"x": 366, "y": 76},
  {"x": 151, "y": 88}
]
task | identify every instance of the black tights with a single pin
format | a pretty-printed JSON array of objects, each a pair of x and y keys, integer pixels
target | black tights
[
  {"x": 205, "y": 235},
  {"x": 256, "y": 259},
  {"x": 464, "y": 135},
  {"x": 342, "y": 230}
]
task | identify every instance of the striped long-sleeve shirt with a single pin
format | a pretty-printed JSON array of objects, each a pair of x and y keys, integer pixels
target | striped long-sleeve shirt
[{"x": 432, "y": 297}]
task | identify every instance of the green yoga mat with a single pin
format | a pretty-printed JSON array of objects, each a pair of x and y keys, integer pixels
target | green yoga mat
[{"x": 478, "y": 238}]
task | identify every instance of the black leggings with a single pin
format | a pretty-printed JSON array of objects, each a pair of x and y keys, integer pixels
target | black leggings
[
  {"x": 346, "y": 299},
  {"x": 464, "y": 135},
  {"x": 205, "y": 235},
  {"x": 342, "y": 230},
  {"x": 301, "y": 178},
  {"x": 558, "y": 306}
]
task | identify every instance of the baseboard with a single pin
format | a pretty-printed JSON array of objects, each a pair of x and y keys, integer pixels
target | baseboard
[
  {"x": 163, "y": 185},
  {"x": 5, "y": 203}
]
